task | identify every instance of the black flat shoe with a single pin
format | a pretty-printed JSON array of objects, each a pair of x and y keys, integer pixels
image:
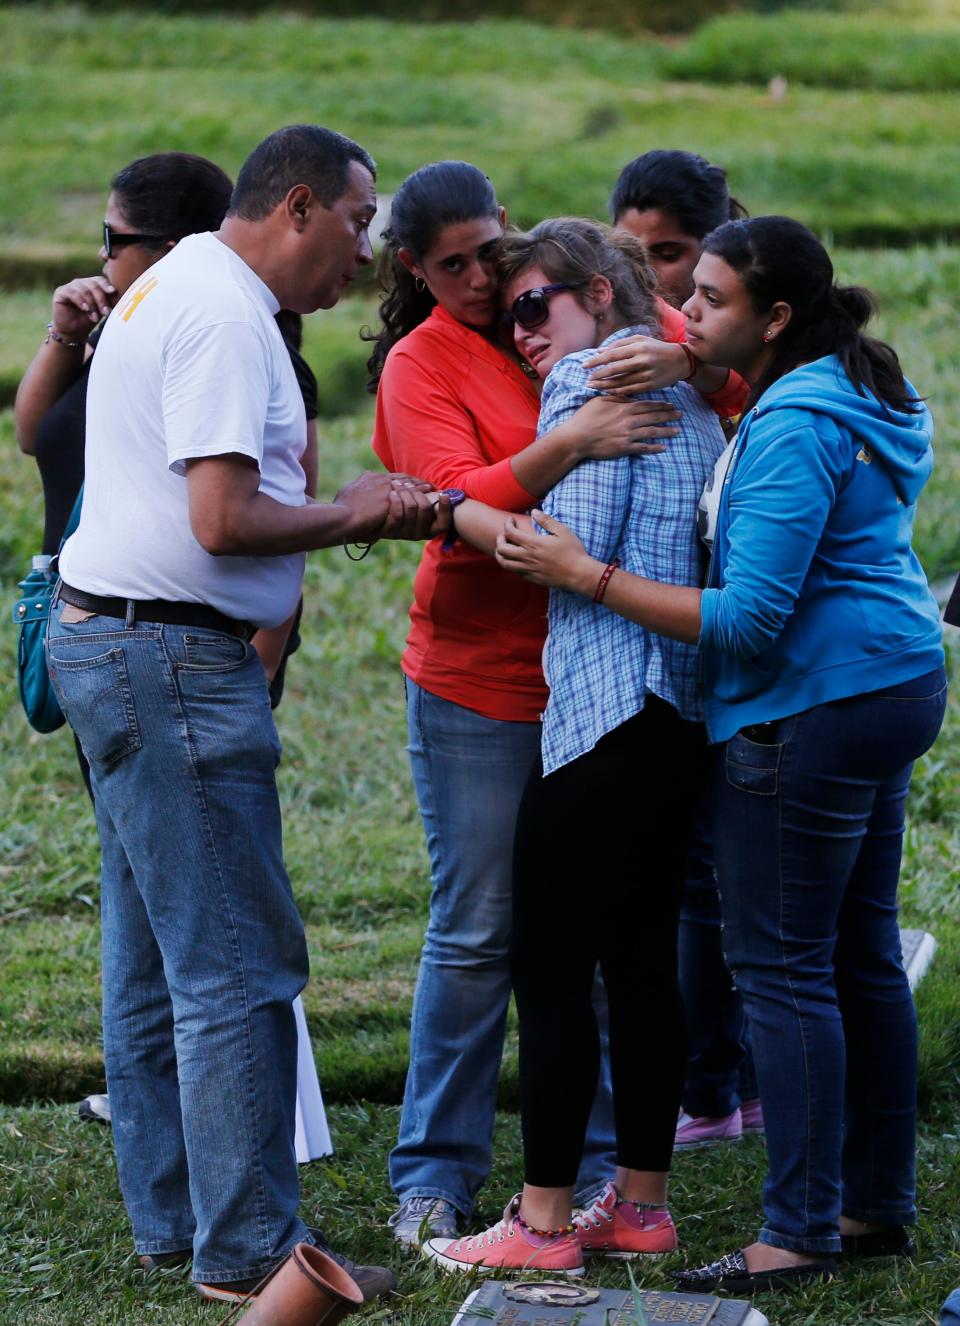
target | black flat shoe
[
  {"x": 153, "y": 1261},
  {"x": 894, "y": 1241},
  {"x": 730, "y": 1273}
]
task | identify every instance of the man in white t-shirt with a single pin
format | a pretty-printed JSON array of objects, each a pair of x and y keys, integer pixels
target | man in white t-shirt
[{"x": 194, "y": 529}]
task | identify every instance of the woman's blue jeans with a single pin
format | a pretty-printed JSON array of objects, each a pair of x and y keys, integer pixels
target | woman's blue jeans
[
  {"x": 203, "y": 947},
  {"x": 809, "y": 828},
  {"x": 469, "y": 773}
]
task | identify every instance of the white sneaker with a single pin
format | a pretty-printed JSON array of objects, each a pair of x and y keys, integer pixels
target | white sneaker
[
  {"x": 96, "y": 1109},
  {"x": 420, "y": 1218}
]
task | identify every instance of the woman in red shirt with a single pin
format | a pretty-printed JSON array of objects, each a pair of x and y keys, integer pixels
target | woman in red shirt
[{"x": 456, "y": 408}]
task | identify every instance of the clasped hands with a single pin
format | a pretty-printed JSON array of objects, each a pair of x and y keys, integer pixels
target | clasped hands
[{"x": 393, "y": 506}]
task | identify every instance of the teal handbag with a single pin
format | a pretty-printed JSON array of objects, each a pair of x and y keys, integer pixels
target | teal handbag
[{"x": 30, "y": 614}]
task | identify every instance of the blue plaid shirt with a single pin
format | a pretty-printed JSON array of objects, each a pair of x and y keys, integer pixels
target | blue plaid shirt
[{"x": 643, "y": 509}]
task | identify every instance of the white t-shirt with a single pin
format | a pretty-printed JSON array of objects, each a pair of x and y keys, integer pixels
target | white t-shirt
[
  {"x": 708, "y": 508},
  {"x": 191, "y": 363}
]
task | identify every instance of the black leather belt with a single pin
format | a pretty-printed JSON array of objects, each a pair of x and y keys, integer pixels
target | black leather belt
[{"x": 158, "y": 610}]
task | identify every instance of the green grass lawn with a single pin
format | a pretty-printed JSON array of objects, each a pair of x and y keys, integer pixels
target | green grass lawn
[
  {"x": 552, "y": 115},
  {"x": 353, "y": 839},
  {"x": 356, "y": 857},
  {"x": 823, "y": 48},
  {"x": 66, "y": 1256}
]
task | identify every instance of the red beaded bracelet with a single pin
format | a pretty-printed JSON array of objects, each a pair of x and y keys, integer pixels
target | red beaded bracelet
[
  {"x": 692, "y": 360},
  {"x": 605, "y": 580}
]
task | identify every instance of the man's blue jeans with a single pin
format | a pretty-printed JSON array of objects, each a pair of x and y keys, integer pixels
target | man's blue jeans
[
  {"x": 810, "y": 816},
  {"x": 203, "y": 947},
  {"x": 469, "y": 773}
]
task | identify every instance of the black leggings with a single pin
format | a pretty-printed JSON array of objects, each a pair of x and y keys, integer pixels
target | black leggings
[{"x": 599, "y": 863}]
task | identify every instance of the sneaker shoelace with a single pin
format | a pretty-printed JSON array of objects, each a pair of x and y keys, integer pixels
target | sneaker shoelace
[
  {"x": 412, "y": 1207},
  {"x": 592, "y": 1217},
  {"x": 503, "y": 1229}
]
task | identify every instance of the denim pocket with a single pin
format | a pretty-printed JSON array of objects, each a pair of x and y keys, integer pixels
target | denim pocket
[
  {"x": 217, "y": 652},
  {"x": 98, "y": 686},
  {"x": 753, "y": 766}
]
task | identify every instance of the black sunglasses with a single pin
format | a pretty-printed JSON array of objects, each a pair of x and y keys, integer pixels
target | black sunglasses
[
  {"x": 532, "y": 308},
  {"x": 116, "y": 239}
]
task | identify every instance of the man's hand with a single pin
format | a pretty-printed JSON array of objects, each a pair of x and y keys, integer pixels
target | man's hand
[
  {"x": 416, "y": 512},
  {"x": 388, "y": 506},
  {"x": 80, "y": 304},
  {"x": 366, "y": 500},
  {"x": 230, "y": 516}
]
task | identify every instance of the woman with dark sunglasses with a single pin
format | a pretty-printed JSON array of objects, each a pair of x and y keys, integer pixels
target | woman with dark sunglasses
[
  {"x": 823, "y": 673},
  {"x": 605, "y": 820},
  {"x": 454, "y": 404},
  {"x": 153, "y": 202}
]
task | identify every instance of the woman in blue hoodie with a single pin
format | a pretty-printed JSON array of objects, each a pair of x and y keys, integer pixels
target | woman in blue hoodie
[{"x": 824, "y": 680}]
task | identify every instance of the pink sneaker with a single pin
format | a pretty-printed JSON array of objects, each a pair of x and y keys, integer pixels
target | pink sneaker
[
  {"x": 695, "y": 1132},
  {"x": 509, "y": 1245},
  {"x": 612, "y": 1227},
  {"x": 751, "y": 1116}
]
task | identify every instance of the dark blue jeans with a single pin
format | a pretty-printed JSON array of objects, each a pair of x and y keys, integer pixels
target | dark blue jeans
[
  {"x": 720, "y": 1073},
  {"x": 810, "y": 815}
]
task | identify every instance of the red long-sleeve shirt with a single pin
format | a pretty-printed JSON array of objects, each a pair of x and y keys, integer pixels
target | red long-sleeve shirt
[{"x": 453, "y": 409}]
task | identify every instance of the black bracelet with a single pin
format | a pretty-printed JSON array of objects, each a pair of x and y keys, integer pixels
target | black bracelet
[{"x": 365, "y": 547}]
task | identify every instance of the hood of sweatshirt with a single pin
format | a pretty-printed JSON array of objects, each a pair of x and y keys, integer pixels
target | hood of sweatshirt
[{"x": 902, "y": 441}]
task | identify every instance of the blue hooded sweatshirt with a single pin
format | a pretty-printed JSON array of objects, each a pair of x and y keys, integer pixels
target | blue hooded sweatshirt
[{"x": 814, "y": 592}]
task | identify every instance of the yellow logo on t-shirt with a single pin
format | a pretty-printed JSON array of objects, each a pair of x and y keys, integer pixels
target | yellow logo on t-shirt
[
  {"x": 136, "y": 297},
  {"x": 866, "y": 455}
]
